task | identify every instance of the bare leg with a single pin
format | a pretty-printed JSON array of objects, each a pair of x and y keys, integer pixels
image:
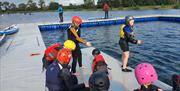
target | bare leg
[{"x": 125, "y": 57}]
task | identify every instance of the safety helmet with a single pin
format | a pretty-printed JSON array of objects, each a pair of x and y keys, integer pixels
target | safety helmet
[
  {"x": 128, "y": 18},
  {"x": 99, "y": 81},
  {"x": 53, "y": 51},
  {"x": 145, "y": 73},
  {"x": 96, "y": 51},
  {"x": 69, "y": 44},
  {"x": 64, "y": 56},
  {"x": 76, "y": 19}
]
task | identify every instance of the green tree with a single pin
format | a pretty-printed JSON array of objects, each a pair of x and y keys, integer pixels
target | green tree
[
  {"x": 115, "y": 3},
  {"x": 41, "y": 4},
  {"x": 53, "y": 5},
  {"x": 101, "y": 2},
  {"x": 22, "y": 6},
  {"x": 34, "y": 6},
  {"x": 6, "y": 5},
  {"x": 1, "y": 6},
  {"x": 31, "y": 5},
  {"x": 89, "y": 3},
  {"x": 12, "y": 6}
]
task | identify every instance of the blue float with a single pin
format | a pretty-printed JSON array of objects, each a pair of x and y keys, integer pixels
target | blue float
[{"x": 104, "y": 22}]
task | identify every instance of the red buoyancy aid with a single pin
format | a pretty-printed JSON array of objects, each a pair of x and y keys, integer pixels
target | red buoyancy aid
[
  {"x": 97, "y": 58},
  {"x": 51, "y": 52}
]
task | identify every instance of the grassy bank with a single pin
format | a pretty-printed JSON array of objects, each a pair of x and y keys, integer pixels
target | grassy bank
[{"x": 99, "y": 9}]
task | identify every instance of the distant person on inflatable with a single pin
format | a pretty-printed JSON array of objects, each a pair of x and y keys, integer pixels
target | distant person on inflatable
[
  {"x": 58, "y": 75},
  {"x": 146, "y": 75},
  {"x": 60, "y": 10},
  {"x": 98, "y": 63},
  {"x": 51, "y": 52},
  {"x": 106, "y": 10},
  {"x": 74, "y": 34},
  {"x": 126, "y": 36}
]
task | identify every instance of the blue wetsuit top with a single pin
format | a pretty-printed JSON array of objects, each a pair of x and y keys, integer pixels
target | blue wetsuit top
[
  {"x": 60, "y": 9},
  {"x": 129, "y": 35}
]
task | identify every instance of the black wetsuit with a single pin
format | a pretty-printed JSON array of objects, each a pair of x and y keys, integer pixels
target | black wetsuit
[
  {"x": 128, "y": 37},
  {"x": 150, "y": 88},
  {"x": 76, "y": 54}
]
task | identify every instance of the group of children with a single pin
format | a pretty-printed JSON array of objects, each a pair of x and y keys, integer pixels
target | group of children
[
  {"x": 58, "y": 72},
  {"x": 61, "y": 77}
]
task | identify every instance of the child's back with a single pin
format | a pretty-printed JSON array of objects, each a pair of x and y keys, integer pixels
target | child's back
[{"x": 98, "y": 63}]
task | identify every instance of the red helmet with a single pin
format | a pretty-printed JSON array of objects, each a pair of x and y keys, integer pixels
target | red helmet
[
  {"x": 76, "y": 19},
  {"x": 51, "y": 50},
  {"x": 64, "y": 56}
]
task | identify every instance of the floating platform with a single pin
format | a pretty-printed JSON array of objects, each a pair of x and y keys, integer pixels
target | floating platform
[
  {"x": 113, "y": 21},
  {"x": 21, "y": 67}
]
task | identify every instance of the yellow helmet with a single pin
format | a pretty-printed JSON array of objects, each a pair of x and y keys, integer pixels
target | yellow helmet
[{"x": 69, "y": 44}]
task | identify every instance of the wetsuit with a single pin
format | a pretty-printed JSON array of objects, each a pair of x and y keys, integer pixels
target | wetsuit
[
  {"x": 60, "y": 10},
  {"x": 126, "y": 35},
  {"x": 74, "y": 34},
  {"x": 150, "y": 88},
  {"x": 59, "y": 78}
]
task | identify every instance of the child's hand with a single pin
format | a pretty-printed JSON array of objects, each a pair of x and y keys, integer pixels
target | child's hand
[
  {"x": 140, "y": 42},
  {"x": 88, "y": 44}
]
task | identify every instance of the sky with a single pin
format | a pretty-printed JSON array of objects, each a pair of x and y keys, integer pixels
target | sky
[{"x": 64, "y": 2}]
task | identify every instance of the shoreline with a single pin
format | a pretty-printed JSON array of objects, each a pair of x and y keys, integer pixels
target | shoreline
[{"x": 156, "y": 7}]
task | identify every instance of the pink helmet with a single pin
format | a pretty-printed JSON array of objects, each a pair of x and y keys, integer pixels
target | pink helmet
[{"x": 145, "y": 73}]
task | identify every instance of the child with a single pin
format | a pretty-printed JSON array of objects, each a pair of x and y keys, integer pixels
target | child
[
  {"x": 51, "y": 52},
  {"x": 146, "y": 75},
  {"x": 58, "y": 75},
  {"x": 74, "y": 34},
  {"x": 126, "y": 36},
  {"x": 99, "y": 63}
]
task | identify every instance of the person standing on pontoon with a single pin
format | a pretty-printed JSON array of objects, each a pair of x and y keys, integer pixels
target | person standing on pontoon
[
  {"x": 106, "y": 9},
  {"x": 60, "y": 10},
  {"x": 74, "y": 34},
  {"x": 126, "y": 36}
]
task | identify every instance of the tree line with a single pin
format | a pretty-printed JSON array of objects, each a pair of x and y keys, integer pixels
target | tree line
[
  {"x": 130, "y": 3},
  {"x": 40, "y": 6}
]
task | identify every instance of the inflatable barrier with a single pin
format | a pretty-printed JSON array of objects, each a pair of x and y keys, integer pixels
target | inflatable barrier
[
  {"x": 113, "y": 21},
  {"x": 10, "y": 30}
]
